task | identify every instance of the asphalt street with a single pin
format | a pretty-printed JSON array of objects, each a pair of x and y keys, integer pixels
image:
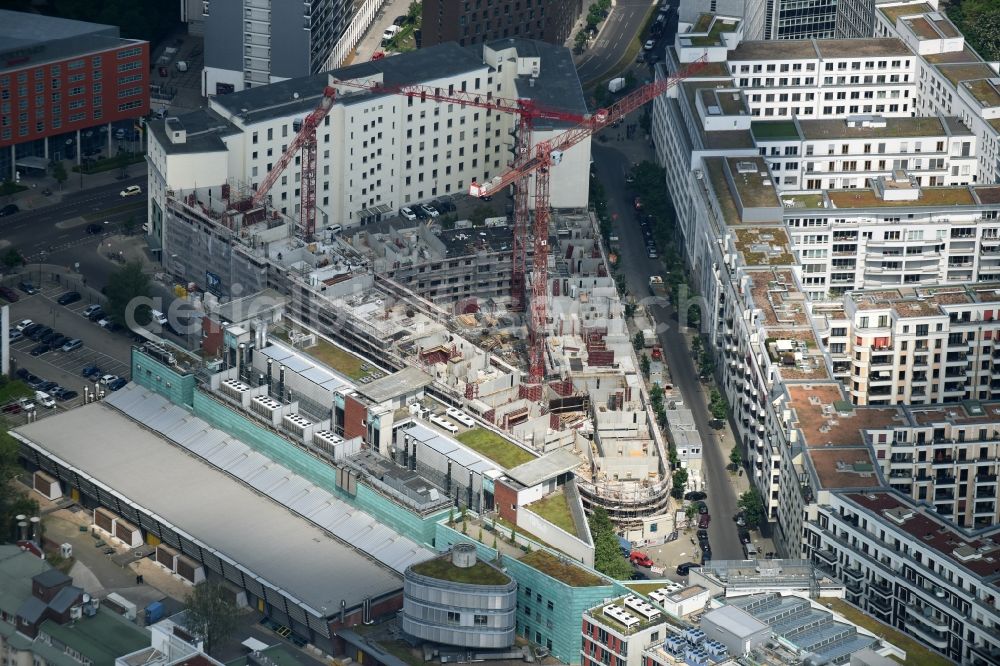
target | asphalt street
[
  {"x": 610, "y": 164},
  {"x": 622, "y": 25},
  {"x": 48, "y": 228}
]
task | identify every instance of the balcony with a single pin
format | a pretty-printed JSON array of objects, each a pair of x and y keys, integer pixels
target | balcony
[
  {"x": 944, "y": 460},
  {"x": 944, "y": 480},
  {"x": 855, "y": 586},
  {"x": 826, "y": 555},
  {"x": 877, "y": 603},
  {"x": 927, "y": 616},
  {"x": 986, "y": 478},
  {"x": 938, "y": 639},
  {"x": 956, "y": 357},
  {"x": 880, "y": 590},
  {"x": 853, "y": 573},
  {"x": 943, "y": 495}
]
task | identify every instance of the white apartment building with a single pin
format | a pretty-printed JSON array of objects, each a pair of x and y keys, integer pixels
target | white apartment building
[
  {"x": 847, "y": 153},
  {"x": 908, "y": 568},
  {"x": 825, "y": 78},
  {"x": 952, "y": 79},
  {"x": 376, "y": 152}
]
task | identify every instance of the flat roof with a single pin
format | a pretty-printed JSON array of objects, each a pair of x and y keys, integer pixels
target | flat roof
[
  {"x": 784, "y": 49},
  {"x": 386, "y": 388},
  {"x": 929, "y": 196},
  {"x": 28, "y": 39},
  {"x": 843, "y": 468},
  {"x": 736, "y": 620},
  {"x": 547, "y": 467},
  {"x": 893, "y": 12},
  {"x": 306, "y": 366},
  {"x": 101, "y": 638},
  {"x": 893, "y": 128},
  {"x": 557, "y": 84},
  {"x": 204, "y": 130},
  {"x": 861, "y": 48},
  {"x": 285, "y": 550},
  {"x": 822, "y": 424}
]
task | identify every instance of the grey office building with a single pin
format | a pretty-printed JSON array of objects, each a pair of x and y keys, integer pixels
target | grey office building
[
  {"x": 251, "y": 43},
  {"x": 772, "y": 19}
]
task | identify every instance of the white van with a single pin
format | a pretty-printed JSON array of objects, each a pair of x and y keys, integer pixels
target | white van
[
  {"x": 750, "y": 550},
  {"x": 44, "y": 399},
  {"x": 390, "y": 32},
  {"x": 159, "y": 317}
]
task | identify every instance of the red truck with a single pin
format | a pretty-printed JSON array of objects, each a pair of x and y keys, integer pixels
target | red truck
[{"x": 640, "y": 558}]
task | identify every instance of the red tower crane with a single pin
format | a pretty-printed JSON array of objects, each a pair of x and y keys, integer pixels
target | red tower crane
[
  {"x": 546, "y": 155},
  {"x": 304, "y": 140},
  {"x": 539, "y": 162}
]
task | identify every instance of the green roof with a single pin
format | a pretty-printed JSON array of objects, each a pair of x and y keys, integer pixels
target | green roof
[
  {"x": 16, "y": 570},
  {"x": 565, "y": 571},
  {"x": 102, "y": 638},
  {"x": 774, "y": 129},
  {"x": 501, "y": 451},
  {"x": 480, "y": 573}
]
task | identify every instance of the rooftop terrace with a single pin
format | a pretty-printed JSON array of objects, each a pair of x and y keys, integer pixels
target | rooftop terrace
[
  {"x": 929, "y": 196},
  {"x": 714, "y": 37},
  {"x": 777, "y": 298},
  {"x": 894, "y": 12},
  {"x": 763, "y": 246},
  {"x": 844, "y": 468},
  {"x": 826, "y": 419},
  {"x": 984, "y": 91}
]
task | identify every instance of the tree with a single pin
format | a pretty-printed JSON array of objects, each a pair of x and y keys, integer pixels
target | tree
[
  {"x": 12, "y": 258},
  {"x": 210, "y": 614},
  {"x": 124, "y": 286},
  {"x": 413, "y": 12},
  {"x": 979, "y": 21},
  {"x": 680, "y": 483},
  {"x": 718, "y": 405},
  {"x": 639, "y": 340},
  {"x": 644, "y": 364},
  {"x": 690, "y": 511},
  {"x": 11, "y": 499},
  {"x": 630, "y": 309},
  {"x": 752, "y": 506},
  {"x": 735, "y": 457},
  {"x": 607, "y": 549},
  {"x": 59, "y": 172}
]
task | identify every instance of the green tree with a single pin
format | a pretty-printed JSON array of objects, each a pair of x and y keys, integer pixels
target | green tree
[
  {"x": 607, "y": 550},
  {"x": 979, "y": 21},
  {"x": 211, "y": 615},
  {"x": 735, "y": 457},
  {"x": 644, "y": 365},
  {"x": 630, "y": 309},
  {"x": 690, "y": 512},
  {"x": 639, "y": 340},
  {"x": 125, "y": 285},
  {"x": 413, "y": 12},
  {"x": 680, "y": 483},
  {"x": 59, "y": 172},
  {"x": 752, "y": 506},
  {"x": 12, "y": 500},
  {"x": 718, "y": 405},
  {"x": 12, "y": 258}
]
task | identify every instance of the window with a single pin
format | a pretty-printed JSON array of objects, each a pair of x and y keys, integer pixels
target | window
[
  {"x": 479, "y": 620},
  {"x": 128, "y": 53},
  {"x": 454, "y": 617}
]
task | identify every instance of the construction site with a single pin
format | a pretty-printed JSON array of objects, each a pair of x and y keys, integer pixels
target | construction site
[{"x": 516, "y": 321}]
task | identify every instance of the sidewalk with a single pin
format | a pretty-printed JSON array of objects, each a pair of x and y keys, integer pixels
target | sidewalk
[{"x": 33, "y": 199}]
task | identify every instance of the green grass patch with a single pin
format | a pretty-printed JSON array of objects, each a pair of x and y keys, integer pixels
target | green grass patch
[
  {"x": 8, "y": 188},
  {"x": 645, "y": 588},
  {"x": 110, "y": 163},
  {"x": 564, "y": 571},
  {"x": 12, "y": 389},
  {"x": 114, "y": 210},
  {"x": 339, "y": 359},
  {"x": 495, "y": 447},
  {"x": 478, "y": 574},
  {"x": 555, "y": 509},
  {"x": 916, "y": 653},
  {"x": 774, "y": 129}
]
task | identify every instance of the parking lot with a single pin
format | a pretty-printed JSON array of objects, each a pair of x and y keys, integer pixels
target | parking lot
[{"x": 108, "y": 351}]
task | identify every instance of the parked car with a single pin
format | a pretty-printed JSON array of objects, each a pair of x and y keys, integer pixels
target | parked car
[
  {"x": 107, "y": 379},
  {"x": 97, "y": 315},
  {"x": 431, "y": 211},
  {"x": 58, "y": 341},
  {"x": 26, "y": 404},
  {"x": 648, "y": 46},
  {"x": 34, "y": 381},
  {"x": 68, "y": 395},
  {"x": 740, "y": 520},
  {"x": 93, "y": 229},
  {"x": 9, "y": 209},
  {"x": 704, "y": 521},
  {"x": 22, "y": 373},
  {"x": 444, "y": 206},
  {"x": 90, "y": 370},
  {"x": 640, "y": 558},
  {"x": 744, "y": 536},
  {"x": 117, "y": 384},
  {"x": 407, "y": 213},
  {"x": 44, "y": 399},
  {"x": 72, "y": 345},
  {"x": 9, "y": 294},
  {"x": 23, "y": 324},
  {"x": 685, "y": 568},
  {"x": 14, "y": 334},
  {"x": 702, "y": 535},
  {"x": 90, "y": 309},
  {"x": 50, "y": 336},
  {"x": 31, "y": 329},
  {"x": 27, "y": 287},
  {"x": 12, "y": 408},
  {"x": 702, "y": 507},
  {"x": 46, "y": 386},
  {"x": 695, "y": 495},
  {"x": 68, "y": 297},
  {"x": 38, "y": 333},
  {"x": 130, "y": 191},
  {"x": 399, "y": 20},
  {"x": 38, "y": 350}
]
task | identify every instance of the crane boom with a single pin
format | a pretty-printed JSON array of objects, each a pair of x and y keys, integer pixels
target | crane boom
[
  {"x": 588, "y": 126},
  {"x": 522, "y": 106},
  {"x": 304, "y": 140}
]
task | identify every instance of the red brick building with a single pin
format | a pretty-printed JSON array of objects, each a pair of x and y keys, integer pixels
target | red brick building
[
  {"x": 477, "y": 21},
  {"x": 68, "y": 89}
]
